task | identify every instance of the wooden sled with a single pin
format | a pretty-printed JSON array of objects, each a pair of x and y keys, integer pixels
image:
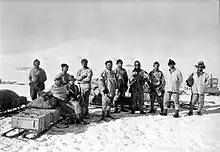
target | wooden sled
[{"x": 33, "y": 122}]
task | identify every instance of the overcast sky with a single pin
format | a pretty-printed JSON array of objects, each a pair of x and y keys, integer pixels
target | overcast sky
[{"x": 186, "y": 31}]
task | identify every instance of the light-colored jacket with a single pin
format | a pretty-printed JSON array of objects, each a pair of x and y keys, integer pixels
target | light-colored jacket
[
  {"x": 174, "y": 80},
  {"x": 59, "y": 92},
  {"x": 108, "y": 82},
  {"x": 86, "y": 82},
  {"x": 200, "y": 83}
]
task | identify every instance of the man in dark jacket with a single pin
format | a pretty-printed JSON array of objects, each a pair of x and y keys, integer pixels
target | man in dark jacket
[
  {"x": 74, "y": 99},
  {"x": 60, "y": 92},
  {"x": 122, "y": 79},
  {"x": 37, "y": 77},
  {"x": 156, "y": 86},
  {"x": 139, "y": 77}
]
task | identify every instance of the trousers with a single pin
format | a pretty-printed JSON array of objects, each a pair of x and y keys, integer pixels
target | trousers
[
  {"x": 85, "y": 92},
  {"x": 154, "y": 96},
  {"x": 106, "y": 103},
  {"x": 137, "y": 97},
  {"x": 198, "y": 98},
  {"x": 167, "y": 97},
  {"x": 36, "y": 90}
]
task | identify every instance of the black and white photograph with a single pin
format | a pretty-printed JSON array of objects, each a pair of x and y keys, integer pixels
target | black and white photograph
[{"x": 109, "y": 75}]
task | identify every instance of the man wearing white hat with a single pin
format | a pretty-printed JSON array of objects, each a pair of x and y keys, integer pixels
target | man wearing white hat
[{"x": 200, "y": 82}]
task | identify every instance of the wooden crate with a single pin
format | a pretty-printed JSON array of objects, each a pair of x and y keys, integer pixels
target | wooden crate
[
  {"x": 33, "y": 122},
  {"x": 35, "y": 119}
]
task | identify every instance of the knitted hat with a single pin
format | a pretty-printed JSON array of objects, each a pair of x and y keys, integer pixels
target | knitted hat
[
  {"x": 36, "y": 60},
  {"x": 171, "y": 62}
]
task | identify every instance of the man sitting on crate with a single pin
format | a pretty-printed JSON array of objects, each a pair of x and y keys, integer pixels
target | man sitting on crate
[
  {"x": 74, "y": 99},
  {"x": 60, "y": 92}
]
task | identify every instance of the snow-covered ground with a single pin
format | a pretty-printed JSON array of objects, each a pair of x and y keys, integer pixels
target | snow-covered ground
[{"x": 126, "y": 133}]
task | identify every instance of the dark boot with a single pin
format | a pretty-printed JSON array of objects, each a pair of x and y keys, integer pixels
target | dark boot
[
  {"x": 152, "y": 111},
  {"x": 109, "y": 115},
  {"x": 176, "y": 115},
  {"x": 199, "y": 113},
  {"x": 142, "y": 112},
  {"x": 161, "y": 107},
  {"x": 103, "y": 116},
  {"x": 104, "y": 119},
  {"x": 190, "y": 113},
  {"x": 133, "y": 111},
  {"x": 199, "y": 109},
  {"x": 116, "y": 110},
  {"x": 82, "y": 122},
  {"x": 164, "y": 113},
  {"x": 70, "y": 121},
  {"x": 123, "y": 109},
  {"x": 86, "y": 115}
]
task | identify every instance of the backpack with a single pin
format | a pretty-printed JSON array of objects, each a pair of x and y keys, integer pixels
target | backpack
[{"x": 190, "y": 81}]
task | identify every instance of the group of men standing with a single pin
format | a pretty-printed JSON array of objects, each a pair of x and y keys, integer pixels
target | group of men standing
[
  {"x": 114, "y": 83},
  {"x": 72, "y": 99}
]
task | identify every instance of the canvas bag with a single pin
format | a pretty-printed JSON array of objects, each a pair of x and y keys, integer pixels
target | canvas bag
[{"x": 40, "y": 102}]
